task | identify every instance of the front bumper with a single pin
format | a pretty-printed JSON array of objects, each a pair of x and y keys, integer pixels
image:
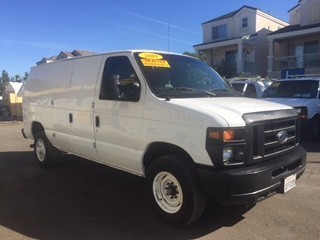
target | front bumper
[
  {"x": 305, "y": 124},
  {"x": 254, "y": 182}
]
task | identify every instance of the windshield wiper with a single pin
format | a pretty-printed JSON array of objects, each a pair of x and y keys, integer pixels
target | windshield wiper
[
  {"x": 226, "y": 90},
  {"x": 168, "y": 90},
  {"x": 196, "y": 90}
]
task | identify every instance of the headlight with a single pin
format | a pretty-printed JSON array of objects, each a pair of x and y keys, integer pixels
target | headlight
[
  {"x": 227, "y": 154},
  {"x": 226, "y": 146},
  {"x": 302, "y": 112}
]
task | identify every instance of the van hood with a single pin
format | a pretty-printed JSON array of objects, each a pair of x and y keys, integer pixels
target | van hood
[
  {"x": 292, "y": 102},
  {"x": 231, "y": 109}
]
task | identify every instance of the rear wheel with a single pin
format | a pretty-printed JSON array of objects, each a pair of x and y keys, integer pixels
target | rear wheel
[
  {"x": 5, "y": 112},
  {"x": 174, "y": 190},
  {"x": 315, "y": 128},
  {"x": 44, "y": 152}
]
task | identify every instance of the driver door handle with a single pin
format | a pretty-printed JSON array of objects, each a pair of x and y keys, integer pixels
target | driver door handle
[{"x": 97, "y": 121}]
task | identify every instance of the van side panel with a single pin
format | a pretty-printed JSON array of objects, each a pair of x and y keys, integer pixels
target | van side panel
[
  {"x": 42, "y": 82},
  {"x": 80, "y": 96}
]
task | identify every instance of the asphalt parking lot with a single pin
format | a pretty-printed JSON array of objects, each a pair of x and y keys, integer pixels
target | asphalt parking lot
[{"x": 80, "y": 199}]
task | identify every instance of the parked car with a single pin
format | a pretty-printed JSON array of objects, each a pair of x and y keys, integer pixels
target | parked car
[
  {"x": 4, "y": 110},
  {"x": 252, "y": 89},
  {"x": 301, "y": 94}
]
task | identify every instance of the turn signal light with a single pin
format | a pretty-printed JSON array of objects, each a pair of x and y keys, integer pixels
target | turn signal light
[{"x": 226, "y": 135}]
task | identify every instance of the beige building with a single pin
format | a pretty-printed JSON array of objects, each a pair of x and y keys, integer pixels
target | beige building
[
  {"x": 236, "y": 42},
  {"x": 65, "y": 55},
  {"x": 295, "y": 49},
  {"x": 11, "y": 100}
]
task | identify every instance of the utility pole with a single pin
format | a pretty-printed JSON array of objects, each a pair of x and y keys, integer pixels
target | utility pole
[{"x": 168, "y": 36}]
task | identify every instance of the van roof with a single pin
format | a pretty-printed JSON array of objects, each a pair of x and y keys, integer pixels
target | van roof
[
  {"x": 298, "y": 79},
  {"x": 106, "y": 53}
]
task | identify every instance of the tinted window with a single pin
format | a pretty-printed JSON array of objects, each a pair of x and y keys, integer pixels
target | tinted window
[
  {"x": 250, "y": 91},
  {"x": 292, "y": 89},
  {"x": 238, "y": 87}
]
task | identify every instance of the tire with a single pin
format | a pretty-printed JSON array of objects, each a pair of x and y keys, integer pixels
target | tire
[
  {"x": 174, "y": 190},
  {"x": 315, "y": 128},
  {"x": 5, "y": 112},
  {"x": 44, "y": 152}
]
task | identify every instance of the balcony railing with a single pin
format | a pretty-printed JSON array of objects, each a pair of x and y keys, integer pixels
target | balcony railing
[
  {"x": 247, "y": 66},
  {"x": 290, "y": 62}
]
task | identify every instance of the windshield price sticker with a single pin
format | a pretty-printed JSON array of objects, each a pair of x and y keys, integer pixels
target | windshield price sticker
[
  {"x": 147, "y": 55},
  {"x": 289, "y": 183},
  {"x": 155, "y": 63}
]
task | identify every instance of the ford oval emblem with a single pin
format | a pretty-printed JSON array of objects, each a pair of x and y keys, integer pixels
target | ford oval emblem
[{"x": 282, "y": 136}]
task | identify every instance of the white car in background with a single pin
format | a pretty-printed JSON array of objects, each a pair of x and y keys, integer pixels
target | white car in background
[
  {"x": 303, "y": 95},
  {"x": 251, "y": 89}
]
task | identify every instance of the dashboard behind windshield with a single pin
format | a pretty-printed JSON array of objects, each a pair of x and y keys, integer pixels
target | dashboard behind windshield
[{"x": 177, "y": 76}]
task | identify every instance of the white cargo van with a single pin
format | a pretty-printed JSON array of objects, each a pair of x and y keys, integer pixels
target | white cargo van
[{"x": 168, "y": 118}]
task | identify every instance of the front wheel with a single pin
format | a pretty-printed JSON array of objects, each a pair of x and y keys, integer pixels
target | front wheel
[
  {"x": 174, "y": 190},
  {"x": 44, "y": 152}
]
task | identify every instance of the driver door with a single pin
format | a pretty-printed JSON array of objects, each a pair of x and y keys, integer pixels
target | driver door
[{"x": 118, "y": 114}]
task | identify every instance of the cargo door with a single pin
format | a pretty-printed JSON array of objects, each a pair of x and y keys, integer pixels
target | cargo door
[
  {"x": 60, "y": 74},
  {"x": 118, "y": 113},
  {"x": 80, "y": 106}
]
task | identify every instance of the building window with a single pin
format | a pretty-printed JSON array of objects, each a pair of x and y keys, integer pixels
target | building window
[
  {"x": 311, "y": 47},
  {"x": 219, "y": 32},
  {"x": 314, "y": 13},
  {"x": 244, "y": 22},
  {"x": 311, "y": 53}
]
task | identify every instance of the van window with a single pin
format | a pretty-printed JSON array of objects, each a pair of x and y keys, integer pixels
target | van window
[
  {"x": 119, "y": 81},
  {"x": 250, "y": 91},
  {"x": 292, "y": 89}
]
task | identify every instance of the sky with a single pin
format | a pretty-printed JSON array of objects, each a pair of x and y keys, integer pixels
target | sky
[{"x": 33, "y": 29}]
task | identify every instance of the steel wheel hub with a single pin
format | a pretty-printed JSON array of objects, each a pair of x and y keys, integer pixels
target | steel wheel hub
[{"x": 167, "y": 192}]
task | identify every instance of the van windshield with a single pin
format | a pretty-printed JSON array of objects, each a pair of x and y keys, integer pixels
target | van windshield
[{"x": 177, "y": 76}]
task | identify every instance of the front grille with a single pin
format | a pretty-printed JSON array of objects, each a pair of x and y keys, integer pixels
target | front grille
[
  {"x": 268, "y": 143},
  {"x": 263, "y": 134}
]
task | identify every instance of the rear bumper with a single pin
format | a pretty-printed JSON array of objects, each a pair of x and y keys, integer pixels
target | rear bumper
[{"x": 251, "y": 183}]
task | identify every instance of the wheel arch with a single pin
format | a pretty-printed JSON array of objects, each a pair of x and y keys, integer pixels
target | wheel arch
[
  {"x": 316, "y": 116},
  {"x": 159, "y": 149},
  {"x": 36, "y": 128}
]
